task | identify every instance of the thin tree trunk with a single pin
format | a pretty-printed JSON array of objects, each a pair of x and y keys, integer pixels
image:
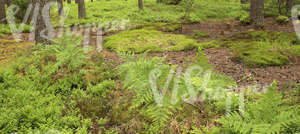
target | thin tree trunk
[
  {"x": 60, "y": 7},
  {"x": 81, "y": 9},
  {"x": 257, "y": 13},
  {"x": 8, "y": 2},
  {"x": 244, "y": 1},
  {"x": 141, "y": 6},
  {"x": 2, "y": 12},
  {"x": 40, "y": 23},
  {"x": 289, "y": 5},
  {"x": 69, "y": 1},
  {"x": 279, "y": 6}
]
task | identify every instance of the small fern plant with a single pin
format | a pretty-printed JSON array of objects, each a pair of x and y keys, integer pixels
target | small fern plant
[{"x": 135, "y": 77}]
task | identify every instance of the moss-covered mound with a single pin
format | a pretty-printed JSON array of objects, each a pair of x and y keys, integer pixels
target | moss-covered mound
[
  {"x": 9, "y": 48},
  {"x": 142, "y": 40},
  {"x": 165, "y": 27},
  {"x": 259, "y": 48}
]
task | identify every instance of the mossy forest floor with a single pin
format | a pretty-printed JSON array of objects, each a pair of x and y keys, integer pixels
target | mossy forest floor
[{"x": 223, "y": 59}]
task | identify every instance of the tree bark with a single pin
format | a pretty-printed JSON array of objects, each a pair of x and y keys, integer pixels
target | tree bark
[
  {"x": 244, "y": 1},
  {"x": 60, "y": 7},
  {"x": 8, "y": 2},
  {"x": 141, "y": 6},
  {"x": 40, "y": 23},
  {"x": 2, "y": 12},
  {"x": 81, "y": 9},
  {"x": 279, "y": 6},
  {"x": 289, "y": 6},
  {"x": 257, "y": 13}
]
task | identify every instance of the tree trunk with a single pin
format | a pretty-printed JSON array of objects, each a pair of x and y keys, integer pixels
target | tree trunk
[
  {"x": 8, "y": 2},
  {"x": 69, "y": 1},
  {"x": 244, "y": 1},
  {"x": 279, "y": 6},
  {"x": 40, "y": 23},
  {"x": 141, "y": 6},
  {"x": 81, "y": 9},
  {"x": 257, "y": 13},
  {"x": 289, "y": 5},
  {"x": 2, "y": 12},
  {"x": 60, "y": 7}
]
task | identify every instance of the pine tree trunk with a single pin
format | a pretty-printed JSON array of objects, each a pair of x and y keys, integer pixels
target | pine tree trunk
[
  {"x": 40, "y": 24},
  {"x": 8, "y": 2},
  {"x": 2, "y": 12},
  {"x": 81, "y": 9},
  {"x": 141, "y": 6},
  {"x": 244, "y": 1},
  {"x": 60, "y": 7},
  {"x": 257, "y": 13},
  {"x": 289, "y": 6}
]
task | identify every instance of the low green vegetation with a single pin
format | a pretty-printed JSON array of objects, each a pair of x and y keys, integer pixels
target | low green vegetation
[
  {"x": 60, "y": 88},
  {"x": 9, "y": 48},
  {"x": 143, "y": 40},
  {"x": 5, "y": 29},
  {"x": 44, "y": 89},
  {"x": 164, "y": 27},
  {"x": 258, "y": 48},
  {"x": 116, "y": 10},
  {"x": 198, "y": 34},
  {"x": 268, "y": 114},
  {"x": 282, "y": 19}
]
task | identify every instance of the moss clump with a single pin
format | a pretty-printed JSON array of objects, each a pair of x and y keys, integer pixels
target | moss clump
[
  {"x": 257, "y": 54},
  {"x": 5, "y": 29},
  {"x": 142, "y": 40},
  {"x": 165, "y": 27},
  {"x": 198, "y": 34},
  {"x": 209, "y": 44},
  {"x": 282, "y": 19},
  {"x": 259, "y": 48},
  {"x": 8, "y": 49}
]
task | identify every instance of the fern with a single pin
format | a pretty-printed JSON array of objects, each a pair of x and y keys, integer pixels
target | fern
[
  {"x": 135, "y": 76},
  {"x": 267, "y": 115}
]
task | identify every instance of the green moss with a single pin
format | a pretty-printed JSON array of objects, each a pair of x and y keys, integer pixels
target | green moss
[
  {"x": 198, "y": 34},
  {"x": 142, "y": 40},
  {"x": 282, "y": 19},
  {"x": 259, "y": 48},
  {"x": 245, "y": 19},
  {"x": 5, "y": 29},
  {"x": 255, "y": 55},
  {"x": 165, "y": 27},
  {"x": 9, "y": 48},
  {"x": 209, "y": 44}
]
